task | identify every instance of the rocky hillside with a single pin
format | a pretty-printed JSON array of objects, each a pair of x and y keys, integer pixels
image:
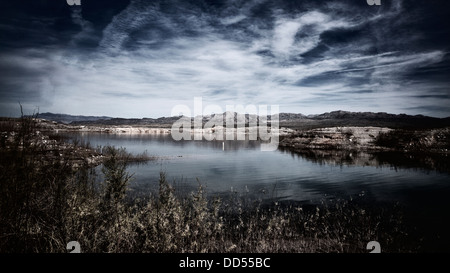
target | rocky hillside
[
  {"x": 335, "y": 138},
  {"x": 63, "y": 118},
  {"x": 360, "y": 119},
  {"x": 369, "y": 139},
  {"x": 290, "y": 120}
]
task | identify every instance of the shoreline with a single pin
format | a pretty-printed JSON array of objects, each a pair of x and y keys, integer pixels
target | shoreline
[
  {"x": 84, "y": 210},
  {"x": 343, "y": 138},
  {"x": 369, "y": 139}
]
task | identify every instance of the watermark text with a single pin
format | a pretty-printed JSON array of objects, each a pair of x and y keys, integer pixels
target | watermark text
[{"x": 231, "y": 125}]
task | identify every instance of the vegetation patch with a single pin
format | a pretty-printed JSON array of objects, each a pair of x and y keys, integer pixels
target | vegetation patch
[{"x": 46, "y": 203}]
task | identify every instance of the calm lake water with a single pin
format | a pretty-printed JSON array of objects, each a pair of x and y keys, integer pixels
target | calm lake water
[{"x": 240, "y": 167}]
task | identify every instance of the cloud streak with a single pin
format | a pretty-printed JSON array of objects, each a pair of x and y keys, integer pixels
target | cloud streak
[{"x": 307, "y": 59}]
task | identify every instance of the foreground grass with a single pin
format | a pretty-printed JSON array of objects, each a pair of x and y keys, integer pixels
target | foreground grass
[{"x": 45, "y": 203}]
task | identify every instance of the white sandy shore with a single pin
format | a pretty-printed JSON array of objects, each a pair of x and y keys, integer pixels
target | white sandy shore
[{"x": 160, "y": 131}]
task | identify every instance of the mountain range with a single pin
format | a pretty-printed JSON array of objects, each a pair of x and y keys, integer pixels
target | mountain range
[{"x": 293, "y": 120}]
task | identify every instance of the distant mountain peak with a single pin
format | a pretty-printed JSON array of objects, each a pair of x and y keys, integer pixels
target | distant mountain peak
[
  {"x": 66, "y": 118},
  {"x": 329, "y": 118}
]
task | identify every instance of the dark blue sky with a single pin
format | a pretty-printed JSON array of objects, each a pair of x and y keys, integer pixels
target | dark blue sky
[{"x": 141, "y": 58}]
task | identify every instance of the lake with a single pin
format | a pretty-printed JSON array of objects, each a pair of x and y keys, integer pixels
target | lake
[{"x": 240, "y": 167}]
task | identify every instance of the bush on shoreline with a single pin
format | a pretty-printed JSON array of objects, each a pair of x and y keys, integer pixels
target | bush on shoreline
[{"x": 430, "y": 141}]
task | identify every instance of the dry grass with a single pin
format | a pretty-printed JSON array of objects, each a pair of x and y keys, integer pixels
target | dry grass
[
  {"x": 423, "y": 141},
  {"x": 45, "y": 205}
]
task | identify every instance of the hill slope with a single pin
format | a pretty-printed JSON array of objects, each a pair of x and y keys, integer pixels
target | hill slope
[{"x": 290, "y": 120}]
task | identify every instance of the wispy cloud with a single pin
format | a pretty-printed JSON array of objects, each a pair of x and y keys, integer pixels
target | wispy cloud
[{"x": 153, "y": 55}]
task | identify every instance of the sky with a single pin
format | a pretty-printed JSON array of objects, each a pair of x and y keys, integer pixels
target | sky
[{"x": 141, "y": 58}]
